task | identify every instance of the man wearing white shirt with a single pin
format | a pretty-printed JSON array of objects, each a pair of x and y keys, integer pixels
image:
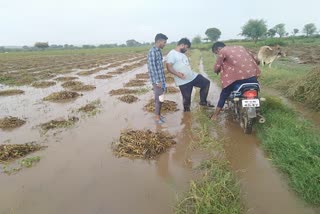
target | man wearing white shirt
[{"x": 178, "y": 64}]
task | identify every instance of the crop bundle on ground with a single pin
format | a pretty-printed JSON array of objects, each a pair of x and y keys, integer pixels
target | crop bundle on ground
[
  {"x": 11, "y": 92},
  {"x": 135, "y": 83},
  {"x": 91, "y": 108},
  {"x": 172, "y": 90},
  {"x": 103, "y": 76},
  {"x": 11, "y": 122},
  {"x": 77, "y": 86},
  {"x": 54, "y": 124},
  {"x": 307, "y": 89},
  {"x": 62, "y": 95},
  {"x": 169, "y": 79},
  {"x": 167, "y": 106},
  {"x": 43, "y": 84},
  {"x": 142, "y": 144},
  {"x": 128, "y": 98},
  {"x": 116, "y": 72},
  {"x": 142, "y": 76},
  {"x": 122, "y": 91},
  {"x": 63, "y": 79},
  {"x": 10, "y": 152},
  {"x": 86, "y": 73}
]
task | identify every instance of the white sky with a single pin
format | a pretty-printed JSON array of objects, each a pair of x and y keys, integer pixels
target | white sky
[{"x": 24, "y": 22}]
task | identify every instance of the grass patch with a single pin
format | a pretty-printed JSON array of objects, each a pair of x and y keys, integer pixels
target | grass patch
[
  {"x": 43, "y": 84},
  {"x": 167, "y": 106},
  {"x": 142, "y": 144},
  {"x": 217, "y": 191},
  {"x": 11, "y": 122},
  {"x": 11, "y": 92},
  {"x": 128, "y": 98},
  {"x": 293, "y": 145},
  {"x": 55, "y": 124},
  {"x": 61, "y": 96}
]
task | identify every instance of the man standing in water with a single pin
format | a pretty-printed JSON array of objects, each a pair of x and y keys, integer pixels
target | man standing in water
[
  {"x": 178, "y": 64},
  {"x": 236, "y": 65},
  {"x": 156, "y": 74}
]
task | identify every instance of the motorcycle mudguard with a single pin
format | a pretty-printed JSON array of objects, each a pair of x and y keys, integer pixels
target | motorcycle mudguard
[{"x": 251, "y": 112}]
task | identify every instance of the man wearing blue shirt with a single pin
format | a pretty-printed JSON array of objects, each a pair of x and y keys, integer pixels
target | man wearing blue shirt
[
  {"x": 184, "y": 77},
  {"x": 156, "y": 73}
]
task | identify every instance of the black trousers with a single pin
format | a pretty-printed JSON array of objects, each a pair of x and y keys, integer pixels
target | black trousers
[{"x": 186, "y": 91}]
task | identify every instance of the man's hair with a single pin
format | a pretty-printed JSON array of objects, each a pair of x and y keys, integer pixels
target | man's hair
[
  {"x": 217, "y": 45},
  {"x": 185, "y": 41},
  {"x": 160, "y": 36}
]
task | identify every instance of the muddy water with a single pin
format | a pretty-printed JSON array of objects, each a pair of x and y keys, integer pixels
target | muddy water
[
  {"x": 263, "y": 188},
  {"x": 78, "y": 172}
]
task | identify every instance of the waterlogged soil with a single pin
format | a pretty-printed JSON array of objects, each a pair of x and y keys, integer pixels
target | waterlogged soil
[{"x": 78, "y": 171}]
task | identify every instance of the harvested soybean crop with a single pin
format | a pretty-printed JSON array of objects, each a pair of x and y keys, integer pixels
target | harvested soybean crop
[
  {"x": 11, "y": 92},
  {"x": 63, "y": 79},
  {"x": 11, "y": 122},
  {"x": 105, "y": 76},
  {"x": 54, "y": 124},
  {"x": 122, "y": 91},
  {"x": 43, "y": 84},
  {"x": 10, "y": 152},
  {"x": 62, "y": 95},
  {"x": 143, "y": 144},
  {"x": 128, "y": 98},
  {"x": 167, "y": 106},
  {"x": 172, "y": 90}
]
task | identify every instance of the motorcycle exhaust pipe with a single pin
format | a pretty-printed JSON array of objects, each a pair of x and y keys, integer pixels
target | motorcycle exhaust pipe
[{"x": 261, "y": 119}]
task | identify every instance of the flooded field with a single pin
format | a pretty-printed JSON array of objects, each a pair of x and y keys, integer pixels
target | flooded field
[{"x": 78, "y": 171}]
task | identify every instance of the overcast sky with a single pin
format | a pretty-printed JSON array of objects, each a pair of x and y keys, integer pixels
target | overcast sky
[{"x": 24, "y": 22}]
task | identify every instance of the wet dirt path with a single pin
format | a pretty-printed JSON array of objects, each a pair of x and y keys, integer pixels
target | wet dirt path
[
  {"x": 78, "y": 172},
  {"x": 262, "y": 186}
]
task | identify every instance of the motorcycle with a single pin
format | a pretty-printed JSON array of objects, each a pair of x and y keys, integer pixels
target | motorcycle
[{"x": 245, "y": 103}]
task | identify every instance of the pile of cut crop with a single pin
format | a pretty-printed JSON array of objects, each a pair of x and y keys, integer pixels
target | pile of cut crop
[
  {"x": 54, "y": 124},
  {"x": 307, "y": 89},
  {"x": 63, "y": 79},
  {"x": 142, "y": 76},
  {"x": 167, "y": 106},
  {"x": 122, "y": 91},
  {"x": 11, "y": 92},
  {"x": 128, "y": 98},
  {"x": 62, "y": 95},
  {"x": 172, "y": 90},
  {"x": 103, "y": 76},
  {"x": 142, "y": 144},
  {"x": 43, "y": 84},
  {"x": 11, "y": 122},
  {"x": 13, "y": 151},
  {"x": 135, "y": 83}
]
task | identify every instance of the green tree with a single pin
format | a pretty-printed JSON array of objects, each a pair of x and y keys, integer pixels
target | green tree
[
  {"x": 213, "y": 34},
  {"x": 196, "y": 40},
  {"x": 309, "y": 29},
  {"x": 254, "y": 29},
  {"x": 271, "y": 33},
  {"x": 295, "y": 31},
  {"x": 41, "y": 45},
  {"x": 280, "y": 30},
  {"x": 132, "y": 43}
]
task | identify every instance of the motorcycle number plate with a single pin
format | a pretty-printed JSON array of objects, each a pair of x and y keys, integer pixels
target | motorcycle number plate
[{"x": 251, "y": 103}]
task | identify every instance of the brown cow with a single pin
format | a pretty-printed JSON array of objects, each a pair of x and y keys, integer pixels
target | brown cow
[{"x": 267, "y": 55}]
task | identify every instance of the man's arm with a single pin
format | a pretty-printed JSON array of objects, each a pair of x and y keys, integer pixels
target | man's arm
[
  {"x": 219, "y": 63},
  {"x": 171, "y": 70}
]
